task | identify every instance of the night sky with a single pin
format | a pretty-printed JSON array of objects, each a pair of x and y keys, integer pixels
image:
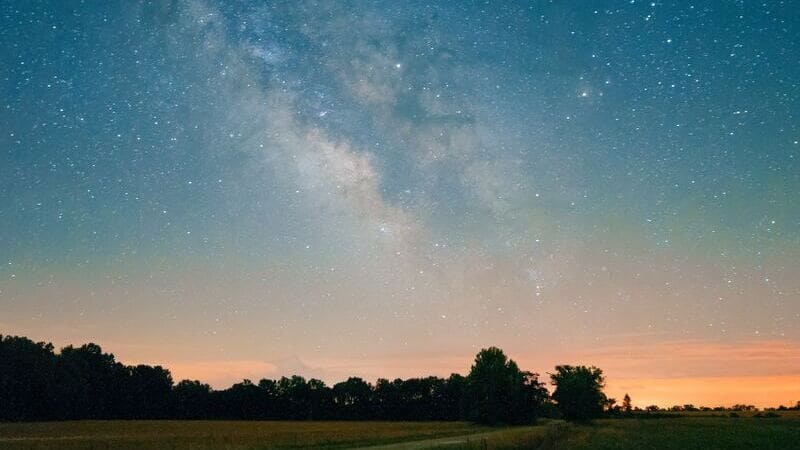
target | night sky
[{"x": 254, "y": 189}]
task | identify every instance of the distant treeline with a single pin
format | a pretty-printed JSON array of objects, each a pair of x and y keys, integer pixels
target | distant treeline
[{"x": 36, "y": 383}]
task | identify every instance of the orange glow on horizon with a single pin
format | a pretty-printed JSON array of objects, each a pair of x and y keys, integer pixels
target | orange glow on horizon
[
  {"x": 760, "y": 391},
  {"x": 764, "y": 374}
]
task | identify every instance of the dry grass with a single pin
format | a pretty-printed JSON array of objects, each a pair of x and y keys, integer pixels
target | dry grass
[
  {"x": 690, "y": 431},
  {"x": 202, "y": 435},
  {"x": 693, "y": 431}
]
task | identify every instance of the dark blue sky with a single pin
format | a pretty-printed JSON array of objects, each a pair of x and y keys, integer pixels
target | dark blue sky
[{"x": 394, "y": 173}]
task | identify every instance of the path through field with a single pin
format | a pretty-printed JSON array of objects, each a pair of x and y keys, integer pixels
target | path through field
[{"x": 474, "y": 438}]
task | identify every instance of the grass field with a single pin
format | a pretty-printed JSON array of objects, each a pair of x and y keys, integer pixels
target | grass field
[
  {"x": 199, "y": 435},
  {"x": 692, "y": 432},
  {"x": 687, "y": 432}
]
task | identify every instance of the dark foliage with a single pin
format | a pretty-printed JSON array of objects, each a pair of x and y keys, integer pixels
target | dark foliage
[
  {"x": 27, "y": 379},
  {"x": 626, "y": 404},
  {"x": 499, "y": 392},
  {"x": 77, "y": 383},
  {"x": 36, "y": 383},
  {"x": 579, "y": 392}
]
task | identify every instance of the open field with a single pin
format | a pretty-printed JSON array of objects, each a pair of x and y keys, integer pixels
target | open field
[
  {"x": 688, "y": 432},
  {"x": 692, "y": 432},
  {"x": 201, "y": 435}
]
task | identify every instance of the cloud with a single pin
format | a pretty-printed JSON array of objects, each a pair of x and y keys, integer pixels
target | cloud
[{"x": 221, "y": 374}]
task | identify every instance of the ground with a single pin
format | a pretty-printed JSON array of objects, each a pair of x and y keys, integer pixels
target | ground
[{"x": 687, "y": 432}]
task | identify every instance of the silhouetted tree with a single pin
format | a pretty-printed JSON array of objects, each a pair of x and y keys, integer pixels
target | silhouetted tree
[
  {"x": 579, "y": 392},
  {"x": 320, "y": 400},
  {"x": 27, "y": 379},
  {"x": 272, "y": 400},
  {"x": 626, "y": 404},
  {"x": 90, "y": 383},
  {"x": 85, "y": 383},
  {"x": 387, "y": 399},
  {"x": 498, "y": 392},
  {"x": 191, "y": 400},
  {"x": 148, "y": 391},
  {"x": 299, "y": 399},
  {"x": 531, "y": 399},
  {"x": 455, "y": 397},
  {"x": 741, "y": 407},
  {"x": 352, "y": 398},
  {"x": 422, "y": 398},
  {"x": 243, "y": 400}
]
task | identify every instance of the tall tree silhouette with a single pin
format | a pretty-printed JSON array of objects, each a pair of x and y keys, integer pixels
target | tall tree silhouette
[
  {"x": 626, "y": 404},
  {"x": 455, "y": 397},
  {"x": 27, "y": 379},
  {"x": 579, "y": 392},
  {"x": 499, "y": 392}
]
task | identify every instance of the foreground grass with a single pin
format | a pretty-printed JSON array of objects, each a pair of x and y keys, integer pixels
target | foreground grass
[
  {"x": 684, "y": 432},
  {"x": 213, "y": 435},
  {"x": 691, "y": 432}
]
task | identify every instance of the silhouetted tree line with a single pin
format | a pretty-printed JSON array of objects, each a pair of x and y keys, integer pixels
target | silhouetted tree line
[{"x": 37, "y": 383}]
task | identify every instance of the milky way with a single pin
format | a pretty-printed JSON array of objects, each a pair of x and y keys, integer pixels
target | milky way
[{"x": 247, "y": 189}]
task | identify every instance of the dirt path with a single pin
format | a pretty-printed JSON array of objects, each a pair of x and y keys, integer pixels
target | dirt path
[{"x": 438, "y": 442}]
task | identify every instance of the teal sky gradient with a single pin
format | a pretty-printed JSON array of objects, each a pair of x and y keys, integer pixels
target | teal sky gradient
[{"x": 260, "y": 182}]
